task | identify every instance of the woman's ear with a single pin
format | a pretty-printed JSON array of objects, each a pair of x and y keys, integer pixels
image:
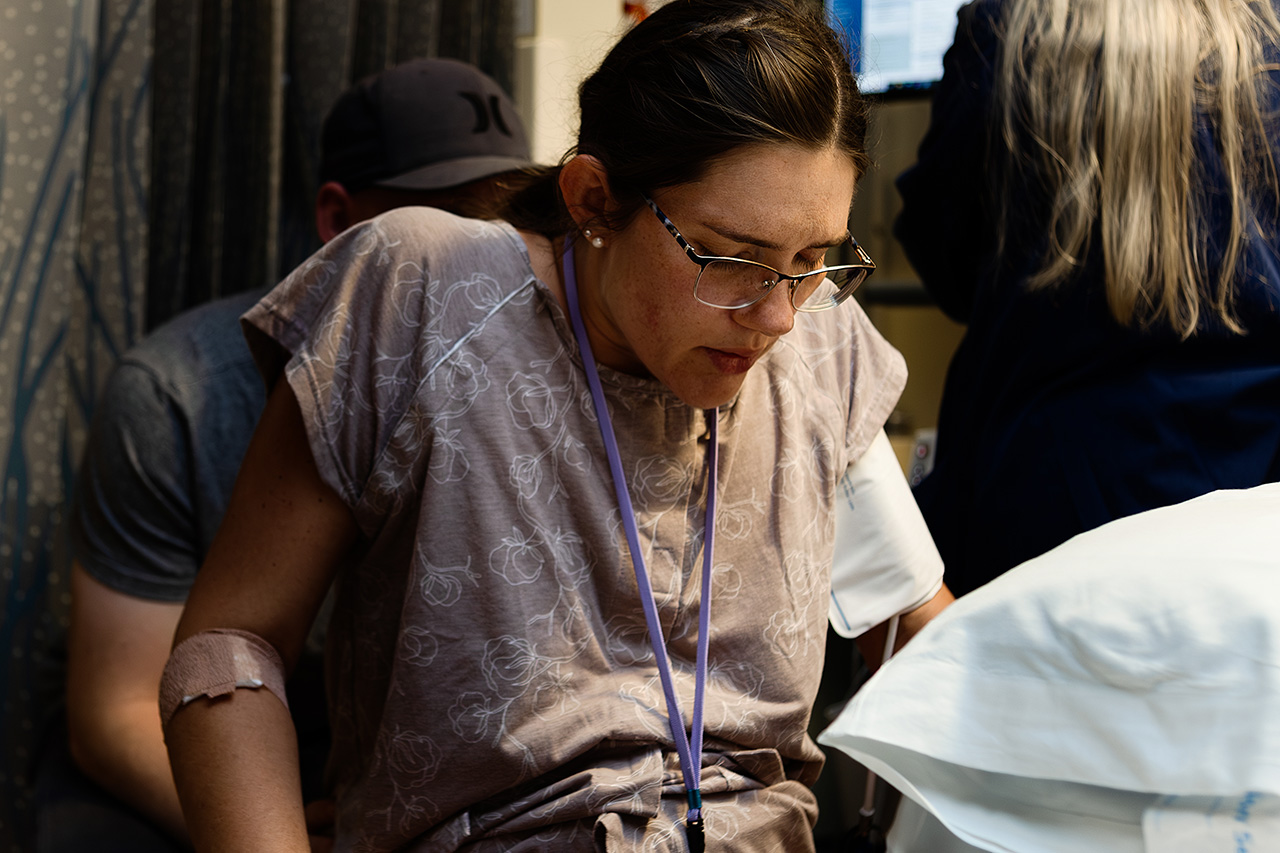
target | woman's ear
[
  {"x": 334, "y": 212},
  {"x": 584, "y": 185}
]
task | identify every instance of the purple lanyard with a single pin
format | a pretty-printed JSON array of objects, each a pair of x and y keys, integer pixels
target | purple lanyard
[{"x": 692, "y": 769}]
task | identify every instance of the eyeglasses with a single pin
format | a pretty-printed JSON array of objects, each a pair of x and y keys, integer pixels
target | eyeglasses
[{"x": 734, "y": 283}]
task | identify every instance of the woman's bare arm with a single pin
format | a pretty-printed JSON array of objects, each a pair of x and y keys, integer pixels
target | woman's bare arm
[
  {"x": 285, "y": 533},
  {"x": 871, "y": 644}
]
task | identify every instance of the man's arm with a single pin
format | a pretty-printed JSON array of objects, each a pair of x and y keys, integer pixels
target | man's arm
[
  {"x": 117, "y": 648},
  {"x": 133, "y": 558}
]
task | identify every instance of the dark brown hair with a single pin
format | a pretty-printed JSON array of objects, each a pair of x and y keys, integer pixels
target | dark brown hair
[{"x": 696, "y": 80}]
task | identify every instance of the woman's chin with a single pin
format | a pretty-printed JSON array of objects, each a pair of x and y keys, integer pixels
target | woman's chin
[{"x": 709, "y": 395}]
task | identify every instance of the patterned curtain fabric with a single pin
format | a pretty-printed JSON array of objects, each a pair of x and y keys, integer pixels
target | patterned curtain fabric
[{"x": 153, "y": 155}]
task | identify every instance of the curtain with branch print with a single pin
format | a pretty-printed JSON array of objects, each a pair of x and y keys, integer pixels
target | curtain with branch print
[{"x": 153, "y": 155}]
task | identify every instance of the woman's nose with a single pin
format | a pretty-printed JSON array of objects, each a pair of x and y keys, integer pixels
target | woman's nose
[{"x": 773, "y": 315}]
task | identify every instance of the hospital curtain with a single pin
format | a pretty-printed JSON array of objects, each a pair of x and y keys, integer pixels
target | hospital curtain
[{"x": 153, "y": 154}]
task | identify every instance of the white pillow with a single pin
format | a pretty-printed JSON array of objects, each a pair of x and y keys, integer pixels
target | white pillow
[{"x": 1139, "y": 659}]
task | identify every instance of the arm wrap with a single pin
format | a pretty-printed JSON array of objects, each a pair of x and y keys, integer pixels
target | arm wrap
[{"x": 214, "y": 663}]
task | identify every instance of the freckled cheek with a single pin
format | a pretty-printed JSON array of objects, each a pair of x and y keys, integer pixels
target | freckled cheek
[
  {"x": 662, "y": 315},
  {"x": 652, "y": 321}
]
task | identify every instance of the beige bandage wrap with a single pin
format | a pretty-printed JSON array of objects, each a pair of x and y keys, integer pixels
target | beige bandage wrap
[{"x": 214, "y": 663}]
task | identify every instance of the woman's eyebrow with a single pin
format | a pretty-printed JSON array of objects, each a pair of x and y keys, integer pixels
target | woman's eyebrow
[{"x": 751, "y": 240}]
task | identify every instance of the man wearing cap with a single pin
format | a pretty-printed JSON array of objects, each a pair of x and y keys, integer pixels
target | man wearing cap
[{"x": 166, "y": 443}]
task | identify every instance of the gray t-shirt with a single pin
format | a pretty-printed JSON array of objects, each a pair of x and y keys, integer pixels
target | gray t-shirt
[
  {"x": 166, "y": 442},
  {"x": 490, "y": 670}
]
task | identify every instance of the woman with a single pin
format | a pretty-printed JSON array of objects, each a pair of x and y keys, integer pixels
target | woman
[
  {"x": 1097, "y": 199},
  {"x": 469, "y": 411}
]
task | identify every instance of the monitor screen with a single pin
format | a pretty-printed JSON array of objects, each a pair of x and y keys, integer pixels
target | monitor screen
[{"x": 898, "y": 44}]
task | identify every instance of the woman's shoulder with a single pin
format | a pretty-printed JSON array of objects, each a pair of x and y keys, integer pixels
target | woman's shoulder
[
  {"x": 839, "y": 355},
  {"x": 440, "y": 236},
  {"x": 399, "y": 275},
  {"x": 838, "y": 332}
]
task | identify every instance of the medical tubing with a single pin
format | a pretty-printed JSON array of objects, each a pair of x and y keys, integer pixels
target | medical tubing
[
  {"x": 690, "y": 768},
  {"x": 890, "y": 640}
]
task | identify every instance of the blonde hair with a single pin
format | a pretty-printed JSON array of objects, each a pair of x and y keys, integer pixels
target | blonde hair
[{"x": 1099, "y": 99}]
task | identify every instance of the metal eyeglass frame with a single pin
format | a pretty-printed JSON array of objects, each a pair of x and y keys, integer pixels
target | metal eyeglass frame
[{"x": 867, "y": 266}]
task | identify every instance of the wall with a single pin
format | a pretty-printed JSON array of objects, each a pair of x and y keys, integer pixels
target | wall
[
  {"x": 559, "y": 42},
  {"x": 893, "y": 297}
]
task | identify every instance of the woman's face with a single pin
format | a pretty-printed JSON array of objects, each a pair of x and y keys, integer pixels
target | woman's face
[{"x": 780, "y": 205}]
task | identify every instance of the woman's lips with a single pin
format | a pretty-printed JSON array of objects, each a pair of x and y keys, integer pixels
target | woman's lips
[{"x": 733, "y": 361}]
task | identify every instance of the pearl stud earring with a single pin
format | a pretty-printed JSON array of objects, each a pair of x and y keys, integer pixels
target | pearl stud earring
[{"x": 597, "y": 241}]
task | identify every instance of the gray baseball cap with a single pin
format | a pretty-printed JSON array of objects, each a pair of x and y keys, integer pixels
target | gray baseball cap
[{"x": 427, "y": 124}]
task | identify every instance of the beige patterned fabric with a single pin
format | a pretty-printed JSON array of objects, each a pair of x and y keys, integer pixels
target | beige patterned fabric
[{"x": 491, "y": 675}]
